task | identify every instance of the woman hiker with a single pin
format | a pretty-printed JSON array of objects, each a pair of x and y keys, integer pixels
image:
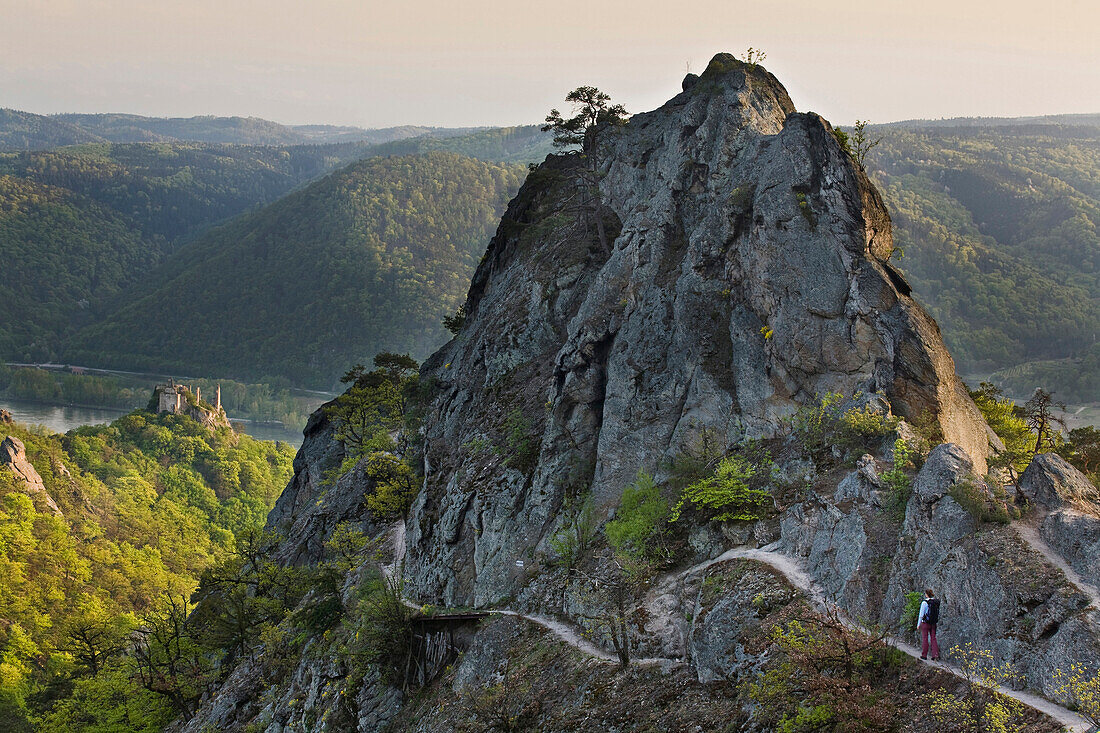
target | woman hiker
[{"x": 929, "y": 616}]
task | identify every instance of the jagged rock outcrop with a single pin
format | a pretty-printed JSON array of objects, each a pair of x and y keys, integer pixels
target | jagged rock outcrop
[
  {"x": 1070, "y": 512},
  {"x": 1052, "y": 483},
  {"x": 998, "y": 593},
  {"x": 307, "y": 511},
  {"x": 746, "y": 270},
  {"x": 13, "y": 457}
]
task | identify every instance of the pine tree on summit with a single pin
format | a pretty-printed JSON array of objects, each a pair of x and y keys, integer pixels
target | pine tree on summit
[{"x": 592, "y": 109}]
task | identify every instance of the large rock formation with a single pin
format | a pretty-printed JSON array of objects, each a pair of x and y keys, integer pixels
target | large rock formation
[
  {"x": 1069, "y": 508},
  {"x": 745, "y": 271},
  {"x": 13, "y": 457}
]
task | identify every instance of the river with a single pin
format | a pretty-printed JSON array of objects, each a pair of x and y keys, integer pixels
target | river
[{"x": 63, "y": 419}]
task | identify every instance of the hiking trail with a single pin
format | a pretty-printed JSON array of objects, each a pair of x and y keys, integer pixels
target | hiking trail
[
  {"x": 1029, "y": 533},
  {"x": 799, "y": 578}
]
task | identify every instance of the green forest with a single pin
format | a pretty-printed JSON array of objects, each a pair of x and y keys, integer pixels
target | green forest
[
  {"x": 1000, "y": 230},
  {"x": 369, "y": 259},
  {"x": 78, "y": 226},
  {"x": 106, "y": 245},
  {"x": 148, "y": 503},
  {"x": 28, "y": 131}
]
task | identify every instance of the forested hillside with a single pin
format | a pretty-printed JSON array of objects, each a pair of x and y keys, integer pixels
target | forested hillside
[
  {"x": 146, "y": 504},
  {"x": 999, "y": 225},
  {"x": 369, "y": 259},
  {"x": 525, "y": 144},
  {"x": 28, "y": 131},
  {"x": 997, "y": 219},
  {"x": 79, "y": 225}
]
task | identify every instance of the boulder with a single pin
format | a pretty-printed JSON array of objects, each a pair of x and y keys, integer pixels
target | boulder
[
  {"x": 946, "y": 465},
  {"x": 1050, "y": 482}
]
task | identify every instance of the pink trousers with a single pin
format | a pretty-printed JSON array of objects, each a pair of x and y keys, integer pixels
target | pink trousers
[{"x": 928, "y": 638}]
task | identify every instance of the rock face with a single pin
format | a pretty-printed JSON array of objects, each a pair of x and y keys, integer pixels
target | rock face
[
  {"x": 997, "y": 593},
  {"x": 744, "y": 271},
  {"x": 1052, "y": 483},
  {"x": 13, "y": 457},
  {"x": 307, "y": 512},
  {"x": 1071, "y": 523}
]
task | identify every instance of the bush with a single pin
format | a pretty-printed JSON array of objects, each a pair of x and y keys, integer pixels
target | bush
[
  {"x": 825, "y": 424},
  {"x": 395, "y": 486},
  {"x": 979, "y": 503},
  {"x": 637, "y": 531},
  {"x": 726, "y": 495},
  {"x": 521, "y": 442},
  {"x": 898, "y": 480},
  {"x": 571, "y": 542},
  {"x": 697, "y": 459},
  {"x": 382, "y": 626},
  {"x": 913, "y": 600}
]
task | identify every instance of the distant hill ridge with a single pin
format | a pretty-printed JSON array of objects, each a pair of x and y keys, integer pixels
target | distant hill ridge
[{"x": 21, "y": 130}]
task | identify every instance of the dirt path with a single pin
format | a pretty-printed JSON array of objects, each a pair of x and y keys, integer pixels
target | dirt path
[
  {"x": 564, "y": 632},
  {"x": 799, "y": 578},
  {"x": 1029, "y": 533}
]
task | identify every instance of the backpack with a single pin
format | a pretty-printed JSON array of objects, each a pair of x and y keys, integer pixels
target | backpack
[{"x": 933, "y": 616}]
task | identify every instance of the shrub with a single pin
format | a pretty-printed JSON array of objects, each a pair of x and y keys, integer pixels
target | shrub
[
  {"x": 637, "y": 531},
  {"x": 898, "y": 480},
  {"x": 698, "y": 458},
  {"x": 521, "y": 442},
  {"x": 383, "y": 630},
  {"x": 982, "y": 706},
  {"x": 912, "y": 608},
  {"x": 1080, "y": 688},
  {"x": 824, "y": 424},
  {"x": 726, "y": 495},
  {"x": 572, "y": 541},
  {"x": 978, "y": 502},
  {"x": 395, "y": 485},
  {"x": 822, "y": 678}
]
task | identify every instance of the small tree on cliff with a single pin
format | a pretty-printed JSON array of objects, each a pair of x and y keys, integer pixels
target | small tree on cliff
[
  {"x": 862, "y": 142},
  {"x": 592, "y": 110},
  {"x": 1042, "y": 418},
  {"x": 374, "y": 404}
]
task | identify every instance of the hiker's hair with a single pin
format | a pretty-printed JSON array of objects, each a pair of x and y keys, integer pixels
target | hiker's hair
[{"x": 930, "y": 593}]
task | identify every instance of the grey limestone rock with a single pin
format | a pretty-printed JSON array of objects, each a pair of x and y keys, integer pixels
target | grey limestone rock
[
  {"x": 745, "y": 270},
  {"x": 861, "y": 484},
  {"x": 1076, "y": 537},
  {"x": 1051, "y": 482},
  {"x": 309, "y": 508},
  {"x": 945, "y": 466},
  {"x": 730, "y": 618}
]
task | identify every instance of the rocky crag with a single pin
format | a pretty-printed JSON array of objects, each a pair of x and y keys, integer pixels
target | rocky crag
[
  {"x": 13, "y": 457},
  {"x": 743, "y": 271},
  {"x": 749, "y": 273}
]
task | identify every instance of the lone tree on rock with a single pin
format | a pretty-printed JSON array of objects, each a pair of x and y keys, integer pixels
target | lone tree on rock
[
  {"x": 1042, "y": 417},
  {"x": 592, "y": 110}
]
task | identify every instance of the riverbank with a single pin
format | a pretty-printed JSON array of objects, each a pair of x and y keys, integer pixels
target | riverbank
[{"x": 61, "y": 418}]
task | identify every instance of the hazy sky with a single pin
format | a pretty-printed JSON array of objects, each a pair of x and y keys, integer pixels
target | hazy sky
[{"x": 480, "y": 62}]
